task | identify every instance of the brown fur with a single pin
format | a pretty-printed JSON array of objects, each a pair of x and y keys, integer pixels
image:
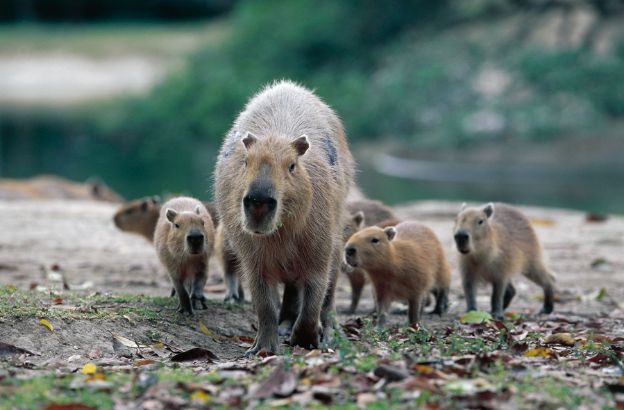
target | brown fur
[
  {"x": 298, "y": 243},
  {"x": 139, "y": 216},
  {"x": 403, "y": 263},
  {"x": 53, "y": 187},
  {"x": 230, "y": 267},
  {"x": 500, "y": 243},
  {"x": 363, "y": 212},
  {"x": 187, "y": 265}
]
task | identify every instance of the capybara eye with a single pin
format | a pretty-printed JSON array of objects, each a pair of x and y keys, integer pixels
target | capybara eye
[
  {"x": 480, "y": 222},
  {"x": 245, "y": 162},
  {"x": 176, "y": 225},
  {"x": 375, "y": 240},
  {"x": 291, "y": 167}
]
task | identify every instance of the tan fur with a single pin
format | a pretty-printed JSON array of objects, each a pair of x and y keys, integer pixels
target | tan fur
[
  {"x": 230, "y": 267},
  {"x": 53, "y": 187},
  {"x": 187, "y": 270},
  {"x": 300, "y": 244},
  {"x": 404, "y": 267},
  {"x": 500, "y": 245},
  {"x": 139, "y": 216},
  {"x": 374, "y": 213}
]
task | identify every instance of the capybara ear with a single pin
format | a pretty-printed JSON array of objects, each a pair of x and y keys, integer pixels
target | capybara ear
[
  {"x": 197, "y": 209},
  {"x": 358, "y": 218},
  {"x": 463, "y": 206},
  {"x": 249, "y": 139},
  {"x": 171, "y": 215},
  {"x": 390, "y": 232},
  {"x": 301, "y": 144},
  {"x": 144, "y": 205},
  {"x": 489, "y": 209},
  {"x": 155, "y": 199}
]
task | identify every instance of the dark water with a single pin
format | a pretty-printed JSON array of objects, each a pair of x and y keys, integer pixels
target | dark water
[{"x": 598, "y": 189}]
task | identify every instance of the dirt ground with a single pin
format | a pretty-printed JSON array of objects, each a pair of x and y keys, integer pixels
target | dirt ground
[{"x": 108, "y": 271}]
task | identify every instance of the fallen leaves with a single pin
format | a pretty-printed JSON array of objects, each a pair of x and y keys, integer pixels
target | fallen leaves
[
  {"x": 8, "y": 350},
  {"x": 47, "y": 324},
  {"x": 196, "y": 353},
  {"x": 281, "y": 382},
  {"x": 539, "y": 352},
  {"x": 475, "y": 317},
  {"x": 564, "y": 339}
]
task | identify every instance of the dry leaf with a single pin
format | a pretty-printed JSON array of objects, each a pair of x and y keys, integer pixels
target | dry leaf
[
  {"x": 200, "y": 396},
  {"x": 196, "y": 353},
  {"x": 7, "y": 350},
  {"x": 89, "y": 368},
  {"x": 564, "y": 339},
  {"x": 47, "y": 324},
  {"x": 68, "y": 406},
  {"x": 539, "y": 352}
]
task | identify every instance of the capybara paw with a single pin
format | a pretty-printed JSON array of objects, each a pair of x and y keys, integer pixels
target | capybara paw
[
  {"x": 186, "y": 312},
  {"x": 260, "y": 346},
  {"x": 546, "y": 310},
  {"x": 498, "y": 315},
  {"x": 232, "y": 297},
  {"x": 308, "y": 338},
  {"x": 199, "y": 303}
]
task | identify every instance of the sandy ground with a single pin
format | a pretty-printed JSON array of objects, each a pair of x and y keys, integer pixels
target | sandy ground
[{"x": 81, "y": 238}]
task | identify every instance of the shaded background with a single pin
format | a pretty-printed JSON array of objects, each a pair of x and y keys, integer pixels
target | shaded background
[{"x": 512, "y": 100}]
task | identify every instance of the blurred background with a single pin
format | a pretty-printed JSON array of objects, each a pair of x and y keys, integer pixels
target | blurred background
[{"x": 511, "y": 100}]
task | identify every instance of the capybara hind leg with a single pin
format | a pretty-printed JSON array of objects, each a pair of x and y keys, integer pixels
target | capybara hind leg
[
  {"x": 185, "y": 300},
  {"x": 510, "y": 292},
  {"x": 233, "y": 283},
  {"x": 198, "y": 298},
  {"x": 289, "y": 310},
  {"x": 415, "y": 309},
  {"x": 265, "y": 298},
  {"x": 357, "y": 280},
  {"x": 542, "y": 276},
  {"x": 383, "y": 306},
  {"x": 306, "y": 329},
  {"x": 498, "y": 293},
  {"x": 441, "y": 305},
  {"x": 469, "y": 292}
]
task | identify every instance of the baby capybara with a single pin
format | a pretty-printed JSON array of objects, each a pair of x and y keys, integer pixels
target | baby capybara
[
  {"x": 184, "y": 240},
  {"x": 281, "y": 180},
  {"x": 403, "y": 263},
  {"x": 139, "y": 216},
  {"x": 362, "y": 213},
  {"x": 495, "y": 242}
]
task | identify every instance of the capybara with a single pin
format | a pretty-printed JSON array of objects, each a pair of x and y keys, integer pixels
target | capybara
[
  {"x": 404, "y": 263},
  {"x": 230, "y": 267},
  {"x": 184, "y": 240},
  {"x": 53, "y": 187},
  {"x": 139, "y": 216},
  {"x": 282, "y": 176},
  {"x": 495, "y": 242},
  {"x": 362, "y": 213}
]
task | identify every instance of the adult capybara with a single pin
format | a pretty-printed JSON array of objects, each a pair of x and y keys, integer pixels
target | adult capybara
[
  {"x": 281, "y": 180},
  {"x": 404, "y": 263},
  {"x": 495, "y": 242},
  {"x": 54, "y": 187},
  {"x": 139, "y": 216},
  {"x": 362, "y": 213},
  {"x": 184, "y": 240}
]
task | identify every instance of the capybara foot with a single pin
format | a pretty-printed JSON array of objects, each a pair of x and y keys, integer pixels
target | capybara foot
[
  {"x": 233, "y": 297},
  {"x": 199, "y": 302},
  {"x": 305, "y": 336},
  {"x": 186, "y": 312},
  {"x": 498, "y": 315},
  {"x": 263, "y": 344},
  {"x": 546, "y": 310},
  {"x": 285, "y": 328}
]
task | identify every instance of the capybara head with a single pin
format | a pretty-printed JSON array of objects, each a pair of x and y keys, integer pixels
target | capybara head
[
  {"x": 136, "y": 215},
  {"x": 354, "y": 223},
  {"x": 275, "y": 185},
  {"x": 187, "y": 233},
  {"x": 472, "y": 228},
  {"x": 369, "y": 247}
]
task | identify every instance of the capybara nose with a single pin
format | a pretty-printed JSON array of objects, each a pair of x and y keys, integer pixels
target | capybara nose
[
  {"x": 259, "y": 205},
  {"x": 350, "y": 251},
  {"x": 195, "y": 239},
  {"x": 461, "y": 237}
]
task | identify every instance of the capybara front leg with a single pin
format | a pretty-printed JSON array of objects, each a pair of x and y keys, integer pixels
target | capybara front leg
[
  {"x": 498, "y": 294},
  {"x": 198, "y": 298},
  {"x": 183, "y": 295},
  {"x": 306, "y": 329},
  {"x": 264, "y": 297}
]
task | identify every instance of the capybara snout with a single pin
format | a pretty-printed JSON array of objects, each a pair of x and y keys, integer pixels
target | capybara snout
[
  {"x": 462, "y": 241},
  {"x": 351, "y": 256},
  {"x": 260, "y": 206},
  {"x": 195, "y": 241}
]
